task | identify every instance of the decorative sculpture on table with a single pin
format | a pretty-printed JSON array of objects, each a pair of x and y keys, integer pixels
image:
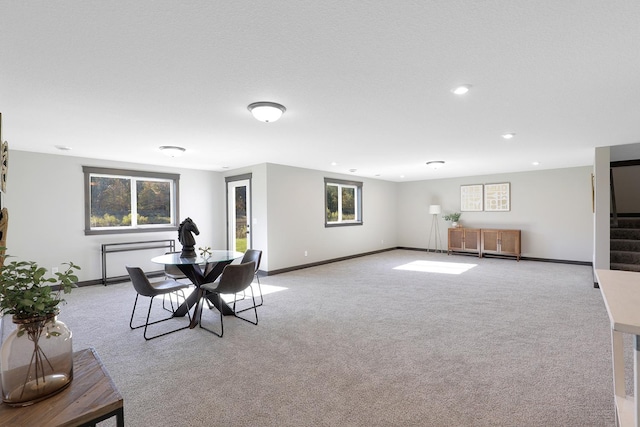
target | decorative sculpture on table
[{"x": 186, "y": 238}]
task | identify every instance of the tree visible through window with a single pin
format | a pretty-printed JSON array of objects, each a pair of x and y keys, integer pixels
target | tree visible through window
[
  {"x": 137, "y": 201},
  {"x": 343, "y": 204}
]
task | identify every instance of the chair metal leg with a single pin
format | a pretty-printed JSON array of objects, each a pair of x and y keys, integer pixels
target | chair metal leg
[
  {"x": 255, "y": 310},
  {"x": 217, "y": 296},
  {"x": 147, "y": 323},
  {"x": 254, "y": 302}
]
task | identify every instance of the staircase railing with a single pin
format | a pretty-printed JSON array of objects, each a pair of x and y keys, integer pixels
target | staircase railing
[{"x": 614, "y": 209}]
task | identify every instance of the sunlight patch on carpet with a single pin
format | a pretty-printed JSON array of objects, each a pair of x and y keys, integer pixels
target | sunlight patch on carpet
[
  {"x": 266, "y": 289},
  {"x": 436, "y": 267}
]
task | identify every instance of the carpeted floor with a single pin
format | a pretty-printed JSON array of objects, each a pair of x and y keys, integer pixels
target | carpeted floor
[{"x": 401, "y": 338}]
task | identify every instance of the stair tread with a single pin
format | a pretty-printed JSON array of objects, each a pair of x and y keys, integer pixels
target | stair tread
[{"x": 625, "y": 267}]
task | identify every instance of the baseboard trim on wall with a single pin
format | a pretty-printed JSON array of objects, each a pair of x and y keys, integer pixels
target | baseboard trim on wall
[
  {"x": 328, "y": 261},
  {"x": 559, "y": 261},
  {"x": 118, "y": 279}
]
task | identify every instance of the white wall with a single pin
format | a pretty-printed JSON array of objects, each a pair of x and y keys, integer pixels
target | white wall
[
  {"x": 601, "y": 246},
  {"x": 45, "y": 200},
  {"x": 295, "y": 201},
  {"x": 551, "y": 207}
]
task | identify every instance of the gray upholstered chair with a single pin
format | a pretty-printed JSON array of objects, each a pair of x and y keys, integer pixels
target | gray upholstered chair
[
  {"x": 235, "y": 278},
  {"x": 144, "y": 287}
]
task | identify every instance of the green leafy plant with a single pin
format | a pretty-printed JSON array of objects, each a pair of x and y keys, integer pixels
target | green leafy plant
[
  {"x": 25, "y": 291},
  {"x": 453, "y": 217}
]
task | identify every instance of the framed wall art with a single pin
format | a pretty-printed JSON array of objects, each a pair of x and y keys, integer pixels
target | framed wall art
[
  {"x": 497, "y": 197},
  {"x": 471, "y": 198}
]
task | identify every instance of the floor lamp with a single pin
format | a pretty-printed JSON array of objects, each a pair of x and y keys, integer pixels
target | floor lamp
[{"x": 435, "y": 210}]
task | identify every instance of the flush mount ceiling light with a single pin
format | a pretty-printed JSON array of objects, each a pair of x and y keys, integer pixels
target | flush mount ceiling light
[
  {"x": 508, "y": 135},
  {"x": 461, "y": 90},
  {"x": 63, "y": 147},
  {"x": 172, "y": 151},
  {"x": 436, "y": 164},
  {"x": 266, "y": 111}
]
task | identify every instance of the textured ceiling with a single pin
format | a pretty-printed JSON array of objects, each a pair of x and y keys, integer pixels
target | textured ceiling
[{"x": 366, "y": 84}]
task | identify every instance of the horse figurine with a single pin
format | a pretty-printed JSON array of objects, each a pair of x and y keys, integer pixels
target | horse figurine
[{"x": 186, "y": 238}]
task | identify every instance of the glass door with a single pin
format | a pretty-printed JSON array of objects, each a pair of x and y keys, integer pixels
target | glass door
[{"x": 239, "y": 214}]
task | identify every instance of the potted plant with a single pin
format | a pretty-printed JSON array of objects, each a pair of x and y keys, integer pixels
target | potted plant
[
  {"x": 36, "y": 358},
  {"x": 454, "y": 218}
]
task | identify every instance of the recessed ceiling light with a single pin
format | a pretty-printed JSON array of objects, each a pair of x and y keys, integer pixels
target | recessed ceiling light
[
  {"x": 535, "y": 163},
  {"x": 334, "y": 163},
  {"x": 172, "y": 150},
  {"x": 508, "y": 135},
  {"x": 401, "y": 176},
  {"x": 353, "y": 170},
  {"x": 63, "y": 147},
  {"x": 461, "y": 90},
  {"x": 435, "y": 164}
]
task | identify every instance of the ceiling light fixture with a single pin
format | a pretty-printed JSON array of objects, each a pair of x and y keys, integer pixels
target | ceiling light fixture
[
  {"x": 172, "y": 151},
  {"x": 461, "y": 90},
  {"x": 266, "y": 111},
  {"x": 63, "y": 147},
  {"x": 436, "y": 164},
  {"x": 508, "y": 135}
]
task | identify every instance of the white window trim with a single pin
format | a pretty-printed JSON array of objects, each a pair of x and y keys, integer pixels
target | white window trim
[{"x": 357, "y": 186}]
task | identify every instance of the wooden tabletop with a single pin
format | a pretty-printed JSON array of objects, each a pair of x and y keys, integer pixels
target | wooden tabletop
[
  {"x": 621, "y": 292},
  {"x": 90, "y": 396}
]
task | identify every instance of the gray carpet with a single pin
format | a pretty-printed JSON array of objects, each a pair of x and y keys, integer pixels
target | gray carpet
[{"x": 361, "y": 343}]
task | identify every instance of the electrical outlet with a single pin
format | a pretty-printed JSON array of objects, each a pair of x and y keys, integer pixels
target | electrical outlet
[{"x": 54, "y": 270}]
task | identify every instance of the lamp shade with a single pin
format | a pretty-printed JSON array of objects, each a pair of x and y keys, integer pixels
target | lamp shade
[{"x": 435, "y": 209}]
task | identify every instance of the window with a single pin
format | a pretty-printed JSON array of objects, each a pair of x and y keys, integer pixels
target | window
[
  {"x": 125, "y": 201},
  {"x": 343, "y": 202}
]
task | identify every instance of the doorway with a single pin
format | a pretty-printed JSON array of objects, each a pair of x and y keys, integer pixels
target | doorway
[{"x": 239, "y": 213}]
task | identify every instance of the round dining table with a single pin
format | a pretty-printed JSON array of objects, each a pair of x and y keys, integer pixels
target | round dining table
[{"x": 200, "y": 270}]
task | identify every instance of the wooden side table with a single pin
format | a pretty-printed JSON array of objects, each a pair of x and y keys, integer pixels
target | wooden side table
[{"x": 91, "y": 397}]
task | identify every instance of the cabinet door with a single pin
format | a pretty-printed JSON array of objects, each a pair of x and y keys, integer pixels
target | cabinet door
[
  {"x": 510, "y": 242},
  {"x": 472, "y": 239},
  {"x": 490, "y": 239},
  {"x": 456, "y": 239}
]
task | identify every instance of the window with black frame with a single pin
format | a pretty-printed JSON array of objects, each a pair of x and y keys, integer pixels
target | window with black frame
[{"x": 127, "y": 201}]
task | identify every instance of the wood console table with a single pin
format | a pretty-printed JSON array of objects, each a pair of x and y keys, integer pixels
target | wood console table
[
  {"x": 485, "y": 242},
  {"x": 621, "y": 293},
  {"x": 91, "y": 397}
]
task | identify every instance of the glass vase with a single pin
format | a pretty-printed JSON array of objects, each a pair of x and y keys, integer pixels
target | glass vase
[{"x": 36, "y": 360}]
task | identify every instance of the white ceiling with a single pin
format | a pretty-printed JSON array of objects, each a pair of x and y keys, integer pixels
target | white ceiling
[{"x": 366, "y": 84}]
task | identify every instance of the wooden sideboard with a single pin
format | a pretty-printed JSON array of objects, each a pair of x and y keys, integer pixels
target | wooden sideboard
[
  {"x": 464, "y": 240},
  {"x": 485, "y": 241}
]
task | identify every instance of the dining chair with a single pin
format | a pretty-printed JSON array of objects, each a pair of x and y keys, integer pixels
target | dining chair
[
  {"x": 254, "y": 255},
  {"x": 144, "y": 287},
  {"x": 235, "y": 278}
]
